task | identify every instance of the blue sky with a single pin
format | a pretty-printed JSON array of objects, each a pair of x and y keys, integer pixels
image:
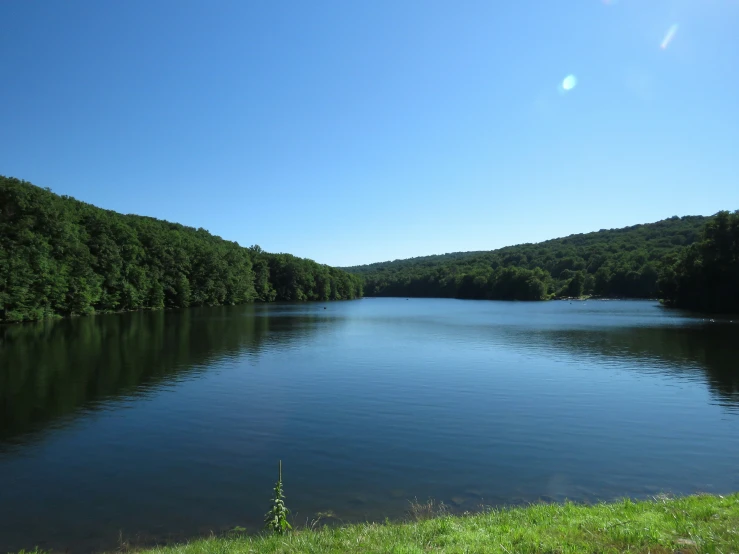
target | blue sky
[{"x": 355, "y": 132}]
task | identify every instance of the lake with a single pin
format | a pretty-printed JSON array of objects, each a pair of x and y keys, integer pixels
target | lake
[{"x": 160, "y": 426}]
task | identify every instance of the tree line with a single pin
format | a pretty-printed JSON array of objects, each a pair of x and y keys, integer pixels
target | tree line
[
  {"x": 705, "y": 276},
  {"x": 59, "y": 256},
  {"x": 688, "y": 261}
]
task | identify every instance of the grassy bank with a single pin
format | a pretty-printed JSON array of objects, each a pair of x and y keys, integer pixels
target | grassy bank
[{"x": 692, "y": 524}]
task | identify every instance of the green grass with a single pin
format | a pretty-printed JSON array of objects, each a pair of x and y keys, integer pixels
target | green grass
[{"x": 691, "y": 524}]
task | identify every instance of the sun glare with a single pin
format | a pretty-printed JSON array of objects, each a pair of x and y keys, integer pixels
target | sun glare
[
  {"x": 569, "y": 82},
  {"x": 668, "y": 37}
]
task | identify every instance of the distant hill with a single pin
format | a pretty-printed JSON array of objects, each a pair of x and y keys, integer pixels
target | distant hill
[
  {"x": 60, "y": 256},
  {"x": 615, "y": 262}
]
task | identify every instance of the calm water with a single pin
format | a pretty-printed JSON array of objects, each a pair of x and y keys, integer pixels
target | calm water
[{"x": 165, "y": 425}]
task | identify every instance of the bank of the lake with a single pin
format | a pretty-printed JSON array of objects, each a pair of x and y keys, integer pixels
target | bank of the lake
[{"x": 705, "y": 523}]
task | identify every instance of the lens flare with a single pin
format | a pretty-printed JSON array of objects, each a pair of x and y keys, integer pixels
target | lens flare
[
  {"x": 569, "y": 82},
  {"x": 668, "y": 37}
]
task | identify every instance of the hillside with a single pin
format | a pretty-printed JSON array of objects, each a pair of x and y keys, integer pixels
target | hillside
[
  {"x": 60, "y": 256},
  {"x": 617, "y": 262}
]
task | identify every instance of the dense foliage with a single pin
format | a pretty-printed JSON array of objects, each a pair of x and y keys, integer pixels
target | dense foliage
[
  {"x": 706, "y": 275},
  {"x": 617, "y": 262},
  {"x": 59, "y": 256}
]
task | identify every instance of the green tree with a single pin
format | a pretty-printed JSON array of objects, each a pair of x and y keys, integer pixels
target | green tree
[
  {"x": 59, "y": 256},
  {"x": 706, "y": 275}
]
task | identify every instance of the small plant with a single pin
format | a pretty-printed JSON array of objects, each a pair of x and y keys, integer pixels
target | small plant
[
  {"x": 275, "y": 519},
  {"x": 316, "y": 521},
  {"x": 429, "y": 510}
]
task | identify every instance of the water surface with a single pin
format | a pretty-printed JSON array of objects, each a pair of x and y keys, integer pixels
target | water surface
[{"x": 158, "y": 426}]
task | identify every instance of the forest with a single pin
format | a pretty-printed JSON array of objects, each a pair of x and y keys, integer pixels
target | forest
[
  {"x": 688, "y": 261},
  {"x": 705, "y": 275},
  {"x": 60, "y": 257}
]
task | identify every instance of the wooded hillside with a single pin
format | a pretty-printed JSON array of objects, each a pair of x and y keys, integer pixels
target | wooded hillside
[
  {"x": 618, "y": 262},
  {"x": 59, "y": 256}
]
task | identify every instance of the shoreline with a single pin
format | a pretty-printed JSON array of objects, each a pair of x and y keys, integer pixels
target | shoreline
[{"x": 689, "y": 524}]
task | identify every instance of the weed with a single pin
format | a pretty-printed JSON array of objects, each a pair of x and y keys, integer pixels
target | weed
[{"x": 275, "y": 519}]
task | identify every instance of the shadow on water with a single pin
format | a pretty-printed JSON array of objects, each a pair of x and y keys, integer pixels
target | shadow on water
[{"x": 53, "y": 370}]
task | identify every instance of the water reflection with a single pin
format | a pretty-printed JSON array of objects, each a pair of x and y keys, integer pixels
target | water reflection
[
  {"x": 707, "y": 353},
  {"x": 52, "y": 370},
  {"x": 167, "y": 424}
]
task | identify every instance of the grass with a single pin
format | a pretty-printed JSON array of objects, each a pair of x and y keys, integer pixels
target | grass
[{"x": 692, "y": 524}]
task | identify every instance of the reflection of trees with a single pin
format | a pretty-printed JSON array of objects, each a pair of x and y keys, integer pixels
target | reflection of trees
[
  {"x": 53, "y": 369},
  {"x": 679, "y": 350}
]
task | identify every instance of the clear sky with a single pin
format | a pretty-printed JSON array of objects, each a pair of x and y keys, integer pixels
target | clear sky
[{"x": 360, "y": 131}]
